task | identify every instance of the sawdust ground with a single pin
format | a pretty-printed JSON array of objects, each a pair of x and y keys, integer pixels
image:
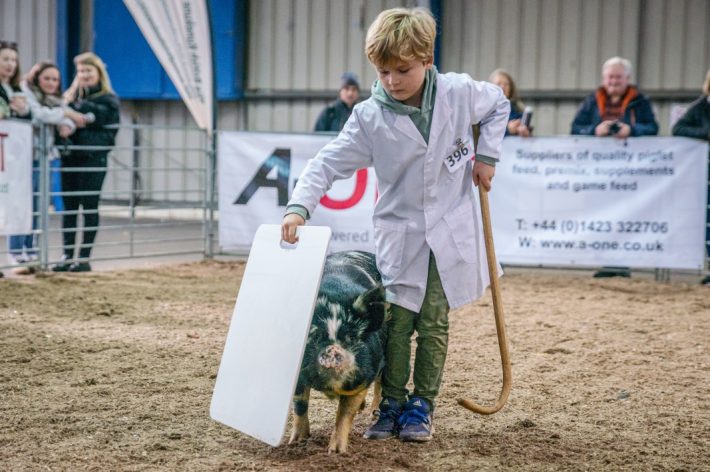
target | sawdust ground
[{"x": 115, "y": 370}]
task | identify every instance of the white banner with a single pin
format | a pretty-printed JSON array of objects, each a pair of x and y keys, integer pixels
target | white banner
[
  {"x": 257, "y": 172},
  {"x": 555, "y": 201},
  {"x": 592, "y": 201},
  {"x": 15, "y": 177},
  {"x": 179, "y": 35}
]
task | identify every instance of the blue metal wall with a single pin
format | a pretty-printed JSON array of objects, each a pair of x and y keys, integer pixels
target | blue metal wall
[{"x": 135, "y": 71}]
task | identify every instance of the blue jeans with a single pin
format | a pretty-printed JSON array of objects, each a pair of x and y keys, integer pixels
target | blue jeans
[
  {"x": 16, "y": 243},
  {"x": 55, "y": 184}
]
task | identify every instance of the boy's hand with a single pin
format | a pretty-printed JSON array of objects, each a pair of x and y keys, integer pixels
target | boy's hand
[
  {"x": 483, "y": 175},
  {"x": 289, "y": 225}
]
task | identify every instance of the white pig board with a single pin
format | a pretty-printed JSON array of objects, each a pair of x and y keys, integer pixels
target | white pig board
[{"x": 267, "y": 335}]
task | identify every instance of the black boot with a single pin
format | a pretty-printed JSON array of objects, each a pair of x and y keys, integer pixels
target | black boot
[{"x": 80, "y": 267}]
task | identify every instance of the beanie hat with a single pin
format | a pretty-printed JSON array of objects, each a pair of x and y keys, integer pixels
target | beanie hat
[{"x": 349, "y": 79}]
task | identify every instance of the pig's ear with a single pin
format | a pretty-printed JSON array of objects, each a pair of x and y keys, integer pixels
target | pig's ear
[{"x": 371, "y": 305}]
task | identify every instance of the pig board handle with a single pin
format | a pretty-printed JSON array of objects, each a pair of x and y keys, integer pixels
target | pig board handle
[
  {"x": 289, "y": 246},
  {"x": 498, "y": 312}
]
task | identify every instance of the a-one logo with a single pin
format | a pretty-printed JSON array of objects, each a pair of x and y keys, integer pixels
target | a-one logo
[{"x": 280, "y": 160}]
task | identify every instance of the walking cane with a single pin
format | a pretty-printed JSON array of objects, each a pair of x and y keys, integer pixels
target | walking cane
[{"x": 497, "y": 307}]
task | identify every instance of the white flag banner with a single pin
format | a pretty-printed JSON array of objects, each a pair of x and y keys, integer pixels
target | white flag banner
[
  {"x": 178, "y": 33},
  {"x": 566, "y": 201},
  {"x": 15, "y": 177},
  {"x": 257, "y": 172},
  {"x": 592, "y": 201}
]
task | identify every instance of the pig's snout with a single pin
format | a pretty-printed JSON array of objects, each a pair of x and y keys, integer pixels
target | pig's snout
[{"x": 332, "y": 358}]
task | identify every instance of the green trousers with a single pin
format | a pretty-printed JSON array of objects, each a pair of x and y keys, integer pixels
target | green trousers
[{"x": 432, "y": 327}]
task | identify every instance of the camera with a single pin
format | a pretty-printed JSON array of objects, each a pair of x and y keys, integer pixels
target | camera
[{"x": 614, "y": 128}]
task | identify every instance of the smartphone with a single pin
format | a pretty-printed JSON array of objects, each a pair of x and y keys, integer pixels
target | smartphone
[{"x": 527, "y": 116}]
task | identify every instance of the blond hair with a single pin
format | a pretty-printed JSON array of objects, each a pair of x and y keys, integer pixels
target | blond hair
[
  {"x": 706, "y": 84},
  {"x": 401, "y": 34},
  {"x": 89, "y": 59}
]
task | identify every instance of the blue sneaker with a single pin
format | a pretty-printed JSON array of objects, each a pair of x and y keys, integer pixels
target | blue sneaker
[
  {"x": 415, "y": 421},
  {"x": 386, "y": 425}
]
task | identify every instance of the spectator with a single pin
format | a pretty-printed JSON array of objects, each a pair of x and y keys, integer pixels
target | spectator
[
  {"x": 334, "y": 116},
  {"x": 504, "y": 80},
  {"x": 42, "y": 88},
  {"x": 616, "y": 109},
  {"x": 695, "y": 123},
  {"x": 13, "y": 104},
  {"x": 91, "y": 95}
]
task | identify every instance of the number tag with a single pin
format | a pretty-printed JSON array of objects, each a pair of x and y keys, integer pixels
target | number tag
[{"x": 460, "y": 155}]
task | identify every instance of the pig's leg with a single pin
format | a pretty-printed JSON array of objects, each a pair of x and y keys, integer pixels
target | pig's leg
[
  {"x": 301, "y": 428},
  {"x": 347, "y": 408},
  {"x": 376, "y": 395}
]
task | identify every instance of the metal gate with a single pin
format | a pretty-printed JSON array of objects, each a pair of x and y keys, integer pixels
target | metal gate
[{"x": 155, "y": 200}]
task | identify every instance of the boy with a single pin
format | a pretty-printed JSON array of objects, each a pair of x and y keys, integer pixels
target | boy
[{"x": 415, "y": 130}]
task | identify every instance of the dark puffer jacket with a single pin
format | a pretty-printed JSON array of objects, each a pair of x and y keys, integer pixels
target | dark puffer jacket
[
  {"x": 105, "y": 107},
  {"x": 333, "y": 117},
  {"x": 695, "y": 123}
]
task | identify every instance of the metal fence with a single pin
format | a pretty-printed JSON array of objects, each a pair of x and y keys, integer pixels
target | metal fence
[
  {"x": 158, "y": 200},
  {"x": 155, "y": 200}
]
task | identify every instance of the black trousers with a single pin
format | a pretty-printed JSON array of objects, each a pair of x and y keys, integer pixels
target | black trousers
[{"x": 89, "y": 182}]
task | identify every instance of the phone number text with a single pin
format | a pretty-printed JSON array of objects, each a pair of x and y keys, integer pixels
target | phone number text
[{"x": 593, "y": 226}]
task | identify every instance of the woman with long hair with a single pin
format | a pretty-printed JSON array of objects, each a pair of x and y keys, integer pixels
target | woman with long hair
[
  {"x": 83, "y": 171},
  {"x": 504, "y": 80},
  {"x": 42, "y": 89},
  {"x": 13, "y": 104}
]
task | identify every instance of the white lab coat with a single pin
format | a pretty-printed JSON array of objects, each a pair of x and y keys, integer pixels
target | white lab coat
[{"x": 422, "y": 206}]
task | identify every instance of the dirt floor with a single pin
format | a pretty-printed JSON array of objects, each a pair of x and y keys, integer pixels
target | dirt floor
[{"x": 114, "y": 371}]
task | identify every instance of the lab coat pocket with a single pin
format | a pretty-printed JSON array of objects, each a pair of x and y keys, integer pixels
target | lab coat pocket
[
  {"x": 389, "y": 243},
  {"x": 463, "y": 231}
]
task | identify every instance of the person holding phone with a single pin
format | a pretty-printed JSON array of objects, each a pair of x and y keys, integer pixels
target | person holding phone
[
  {"x": 519, "y": 118},
  {"x": 13, "y": 104}
]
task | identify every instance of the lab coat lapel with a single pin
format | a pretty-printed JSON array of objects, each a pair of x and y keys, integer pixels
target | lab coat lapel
[
  {"x": 442, "y": 113},
  {"x": 405, "y": 124}
]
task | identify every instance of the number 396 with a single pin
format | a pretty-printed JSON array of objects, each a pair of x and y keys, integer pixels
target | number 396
[{"x": 456, "y": 156}]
